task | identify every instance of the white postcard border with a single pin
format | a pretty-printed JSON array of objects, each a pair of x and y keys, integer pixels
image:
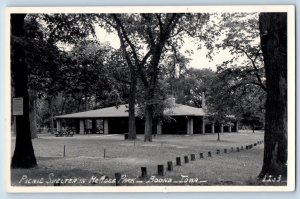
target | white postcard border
[{"x": 132, "y": 9}]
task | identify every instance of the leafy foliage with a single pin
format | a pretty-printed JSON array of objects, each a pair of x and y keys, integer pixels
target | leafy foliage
[
  {"x": 227, "y": 99},
  {"x": 144, "y": 39},
  {"x": 70, "y": 70}
]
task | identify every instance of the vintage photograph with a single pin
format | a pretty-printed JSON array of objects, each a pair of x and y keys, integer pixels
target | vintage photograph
[{"x": 151, "y": 99}]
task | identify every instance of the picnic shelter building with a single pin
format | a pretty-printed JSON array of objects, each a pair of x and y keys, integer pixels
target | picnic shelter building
[{"x": 114, "y": 120}]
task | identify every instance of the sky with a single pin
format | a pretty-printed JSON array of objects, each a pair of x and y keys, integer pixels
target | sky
[{"x": 198, "y": 59}]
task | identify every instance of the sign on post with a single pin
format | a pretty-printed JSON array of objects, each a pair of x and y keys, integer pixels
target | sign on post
[{"x": 18, "y": 106}]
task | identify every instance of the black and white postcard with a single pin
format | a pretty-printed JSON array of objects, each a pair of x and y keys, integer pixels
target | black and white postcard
[{"x": 150, "y": 99}]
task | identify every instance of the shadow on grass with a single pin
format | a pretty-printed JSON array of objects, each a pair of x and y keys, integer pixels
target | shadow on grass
[{"x": 49, "y": 158}]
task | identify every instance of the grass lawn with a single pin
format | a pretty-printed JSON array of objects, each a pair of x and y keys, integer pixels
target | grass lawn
[{"x": 85, "y": 159}]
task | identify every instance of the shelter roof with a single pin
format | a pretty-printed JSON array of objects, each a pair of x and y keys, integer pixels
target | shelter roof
[{"x": 122, "y": 111}]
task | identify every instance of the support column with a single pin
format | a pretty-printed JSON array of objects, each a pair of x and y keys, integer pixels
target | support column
[
  {"x": 203, "y": 126},
  {"x": 213, "y": 128},
  {"x": 58, "y": 125},
  {"x": 229, "y": 128},
  {"x": 81, "y": 126},
  {"x": 158, "y": 128},
  {"x": 188, "y": 128},
  {"x": 237, "y": 126},
  {"x": 106, "y": 130},
  {"x": 222, "y": 128},
  {"x": 191, "y": 126}
]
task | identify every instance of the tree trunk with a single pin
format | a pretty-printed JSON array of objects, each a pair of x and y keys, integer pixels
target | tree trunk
[
  {"x": 32, "y": 115},
  {"x": 23, "y": 156},
  {"x": 63, "y": 106},
  {"x": 273, "y": 29},
  {"x": 78, "y": 107},
  {"x": 131, "y": 103},
  {"x": 151, "y": 92},
  {"x": 148, "y": 123},
  {"x": 154, "y": 126},
  {"x": 133, "y": 81}
]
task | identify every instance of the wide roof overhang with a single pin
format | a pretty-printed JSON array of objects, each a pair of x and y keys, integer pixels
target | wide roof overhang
[{"x": 122, "y": 111}]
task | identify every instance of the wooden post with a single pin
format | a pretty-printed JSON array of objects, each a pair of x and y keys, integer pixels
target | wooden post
[
  {"x": 225, "y": 150},
  {"x": 193, "y": 158},
  {"x": 170, "y": 166},
  {"x": 144, "y": 172},
  {"x": 229, "y": 128},
  {"x": 64, "y": 150},
  {"x": 237, "y": 126},
  {"x": 178, "y": 161},
  {"x": 104, "y": 153},
  {"x": 160, "y": 170},
  {"x": 186, "y": 159},
  {"x": 106, "y": 128},
  {"x": 237, "y": 149},
  {"x": 209, "y": 154},
  {"x": 118, "y": 178},
  {"x": 218, "y": 151},
  {"x": 57, "y": 183},
  {"x": 201, "y": 155}
]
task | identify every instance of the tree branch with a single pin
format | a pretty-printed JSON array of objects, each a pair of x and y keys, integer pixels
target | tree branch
[{"x": 260, "y": 83}]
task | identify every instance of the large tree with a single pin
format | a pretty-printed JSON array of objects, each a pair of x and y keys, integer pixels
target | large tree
[
  {"x": 143, "y": 39},
  {"x": 273, "y": 32},
  {"x": 56, "y": 27},
  {"x": 23, "y": 156}
]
